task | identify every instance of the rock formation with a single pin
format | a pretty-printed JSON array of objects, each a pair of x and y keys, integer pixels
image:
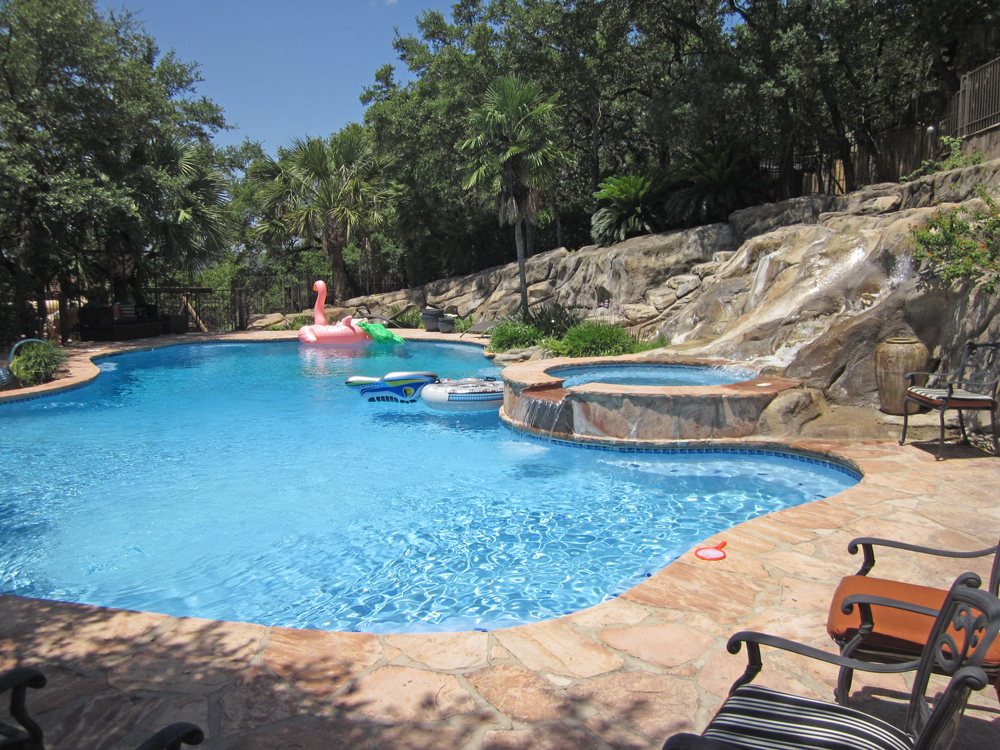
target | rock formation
[{"x": 807, "y": 287}]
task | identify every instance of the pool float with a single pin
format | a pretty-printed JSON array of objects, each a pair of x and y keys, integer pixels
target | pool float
[
  {"x": 344, "y": 332},
  {"x": 467, "y": 394},
  {"x": 397, "y": 387}
]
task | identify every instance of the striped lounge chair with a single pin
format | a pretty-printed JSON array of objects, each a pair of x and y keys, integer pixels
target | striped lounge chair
[
  {"x": 758, "y": 718},
  {"x": 972, "y": 387}
]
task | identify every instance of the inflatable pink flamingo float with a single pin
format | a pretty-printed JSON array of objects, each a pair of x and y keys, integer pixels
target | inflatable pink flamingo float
[{"x": 344, "y": 332}]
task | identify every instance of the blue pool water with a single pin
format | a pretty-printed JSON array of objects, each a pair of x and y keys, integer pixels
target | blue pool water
[
  {"x": 653, "y": 374},
  {"x": 246, "y": 482}
]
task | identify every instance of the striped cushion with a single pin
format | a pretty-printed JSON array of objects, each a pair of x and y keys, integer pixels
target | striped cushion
[
  {"x": 959, "y": 398},
  {"x": 763, "y": 719}
]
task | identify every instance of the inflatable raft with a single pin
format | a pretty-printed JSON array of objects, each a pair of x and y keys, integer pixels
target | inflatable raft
[
  {"x": 396, "y": 387},
  {"x": 468, "y": 394}
]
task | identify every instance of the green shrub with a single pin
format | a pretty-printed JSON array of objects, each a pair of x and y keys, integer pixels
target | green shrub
[
  {"x": 551, "y": 319},
  {"x": 953, "y": 159},
  {"x": 959, "y": 244},
  {"x": 592, "y": 339},
  {"x": 36, "y": 363},
  {"x": 464, "y": 324},
  {"x": 295, "y": 322},
  {"x": 633, "y": 210},
  {"x": 408, "y": 319},
  {"x": 512, "y": 334}
]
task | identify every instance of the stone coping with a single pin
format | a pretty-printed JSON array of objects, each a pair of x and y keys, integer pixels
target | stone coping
[
  {"x": 535, "y": 375},
  {"x": 624, "y": 674}
]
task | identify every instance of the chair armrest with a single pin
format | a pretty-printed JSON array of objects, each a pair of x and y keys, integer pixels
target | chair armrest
[
  {"x": 932, "y": 377},
  {"x": 754, "y": 664},
  {"x": 868, "y": 543},
  {"x": 21, "y": 677},
  {"x": 696, "y": 742},
  {"x": 18, "y": 681},
  {"x": 847, "y": 606},
  {"x": 171, "y": 737}
]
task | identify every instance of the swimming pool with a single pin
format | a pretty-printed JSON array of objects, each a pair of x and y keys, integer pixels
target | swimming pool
[
  {"x": 656, "y": 374},
  {"x": 246, "y": 482}
]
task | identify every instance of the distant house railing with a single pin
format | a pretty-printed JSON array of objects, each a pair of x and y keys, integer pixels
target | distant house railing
[{"x": 976, "y": 107}]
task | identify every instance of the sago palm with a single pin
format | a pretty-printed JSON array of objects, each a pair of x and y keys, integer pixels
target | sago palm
[
  {"x": 513, "y": 156},
  {"x": 632, "y": 210}
]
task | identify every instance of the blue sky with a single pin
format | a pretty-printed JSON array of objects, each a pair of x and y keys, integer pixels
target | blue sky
[{"x": 282, "y": 69}]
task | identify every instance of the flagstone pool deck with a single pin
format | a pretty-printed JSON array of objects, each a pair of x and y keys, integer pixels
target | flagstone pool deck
[{"x": 626, "y": 674}]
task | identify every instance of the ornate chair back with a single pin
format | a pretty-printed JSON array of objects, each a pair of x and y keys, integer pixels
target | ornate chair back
[{"x": 962, "y": 634}]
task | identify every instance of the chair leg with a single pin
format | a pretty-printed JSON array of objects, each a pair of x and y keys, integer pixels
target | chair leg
[
  {"x": 844, "y": 680},
  {"x": 941, "y": 439},
  {"x": 961, "y": 423},
  {"x": 906, "y": 420},
  {"x": 993, "y": 429}
]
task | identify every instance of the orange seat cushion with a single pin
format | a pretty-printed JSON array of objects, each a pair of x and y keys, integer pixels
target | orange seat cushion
[{"x": 896, "y": 631}]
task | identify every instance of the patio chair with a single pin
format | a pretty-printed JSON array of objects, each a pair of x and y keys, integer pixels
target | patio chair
[
  {"x": 482, "y": 328},
  {"x": 28, "y": 736},
  {"x": 972, "y": 387},
  {"x": 895, "y": 635},
  {"x": 758, "y": 718}
]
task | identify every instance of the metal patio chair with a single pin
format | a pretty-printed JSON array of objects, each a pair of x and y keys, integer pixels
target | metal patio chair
[
  {"x": 878, "y": 634},
  {"x": 972, "y": 387},
  {"x": 28, "y": 734},
  {"x": 757, "y": 717}
]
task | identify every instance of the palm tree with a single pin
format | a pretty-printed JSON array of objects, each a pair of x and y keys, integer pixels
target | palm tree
[
  {"x": 326, "y": 190},
  {"x": 513, "y": 154}
]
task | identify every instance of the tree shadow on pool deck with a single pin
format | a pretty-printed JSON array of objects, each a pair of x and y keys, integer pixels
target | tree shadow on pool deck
[{"x": 116, "y": 676}]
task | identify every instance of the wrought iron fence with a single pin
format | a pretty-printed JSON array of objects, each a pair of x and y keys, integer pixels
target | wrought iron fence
[{"x": 976, "y": 106}]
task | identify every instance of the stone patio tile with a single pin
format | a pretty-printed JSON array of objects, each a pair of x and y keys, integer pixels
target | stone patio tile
[
  {"x": 317, "y": 662},
  {"x": 190, "y": 708},
  {"x": 612, "y": 612},
  {"x": 553, "y": 646},
  {"x": 63, "y": 687},
  {"x": 38, "y": 628},
  {"x": 816, "y": 515},
  {"x": 806, "y": 566},
  {"x": 664, "y": 645},
  {"x": 544, "y": 738},
  {"x": 194, "y": 637},
  {"x": 697, "y": 589},
  {"x": 423, "y": 737},
  {"x": 900, "y": 482},
  {"x": 173, "y": 672},
  {"x": 769, "y": 526},
  {"x": 101, "y": 723},
  {"x": 654, "y": 705},
  {"x": 257, "y": 698},
  {"x": 443, "y": 650},
  {"x": 404, "y": 694},
  {"x": 520, "y": 694},
  {"x": 307, "y": 733},
  {"x": 616, "y": 736},
  {"x": 741, "y": 539},
  {"x": 807, "y": 596},
  {"x": 900, "y": 528}
]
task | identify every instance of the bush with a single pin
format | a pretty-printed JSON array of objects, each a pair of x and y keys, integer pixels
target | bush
[
  {"x": 294, "y": 323},
  {"x": 36, "y": 363},
  {"x": 959, "y": 244},
  {"x": 408, "y": 319},
  {"x": 592, "y": 339},
  {"x": 634, "y": 208},
  {"x": 512, "y": 334},
  {"x": 552, "y": 320},
  {"x": 953, "y": 159},
  {"x": 464, "y": 324}
]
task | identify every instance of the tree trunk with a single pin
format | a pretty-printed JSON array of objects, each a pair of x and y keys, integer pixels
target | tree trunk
[
  {"x": 555, "y": 212},
  {"x": 529, "y": 238},
  {"x": 333, "y": 244},
  {"x": 519, "y": 240}
]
